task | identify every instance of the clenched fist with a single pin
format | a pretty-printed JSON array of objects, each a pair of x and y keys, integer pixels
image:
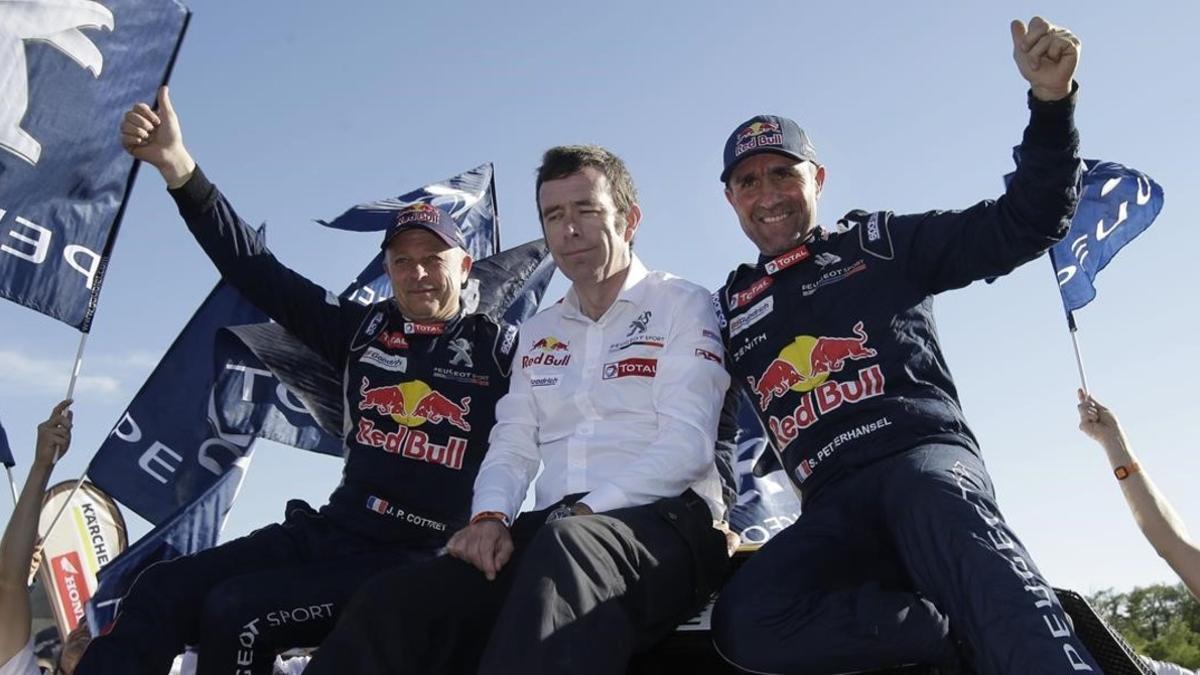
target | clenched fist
[{"x": 1047, "y": 56}]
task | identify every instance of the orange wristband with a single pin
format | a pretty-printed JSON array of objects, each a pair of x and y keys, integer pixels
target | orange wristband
[
  {"x": 1125, "y": 471},
  {"x": 490, "y": 515}
]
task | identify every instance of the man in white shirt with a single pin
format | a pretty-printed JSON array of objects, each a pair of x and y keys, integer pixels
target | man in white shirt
[{"x": 616, "y": 393}]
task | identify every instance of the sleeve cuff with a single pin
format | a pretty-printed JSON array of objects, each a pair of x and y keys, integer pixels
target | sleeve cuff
[
  {"x": 194, "y": 195},
  {"x": 1052, "y": 123},
  {"x": 493, "y": 502}
]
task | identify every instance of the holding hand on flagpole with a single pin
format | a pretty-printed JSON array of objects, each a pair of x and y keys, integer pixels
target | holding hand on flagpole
[
  {"x": 1155, "y": 517},
  {"x": 17, "y": 546},
  {"x": 157, "y": 139}
]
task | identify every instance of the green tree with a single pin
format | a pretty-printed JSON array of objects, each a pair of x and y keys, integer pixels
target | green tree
[{"x": 1161, "y": 621}]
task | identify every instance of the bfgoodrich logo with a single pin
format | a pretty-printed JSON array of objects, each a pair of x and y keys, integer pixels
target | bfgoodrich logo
[{"x": 58, "y": 23}]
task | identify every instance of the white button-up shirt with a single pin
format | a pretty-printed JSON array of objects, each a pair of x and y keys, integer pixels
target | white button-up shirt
[{"x": 624, "y": 409}]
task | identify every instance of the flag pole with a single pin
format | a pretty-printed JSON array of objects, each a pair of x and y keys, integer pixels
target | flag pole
[
  {"x": 12, "y": 484},
  {"x": 1078, "y": 356},
  {"x": 70, "y": 395}
]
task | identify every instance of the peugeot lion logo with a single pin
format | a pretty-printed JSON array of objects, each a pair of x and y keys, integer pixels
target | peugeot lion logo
[{"x": 57, "y": 22}]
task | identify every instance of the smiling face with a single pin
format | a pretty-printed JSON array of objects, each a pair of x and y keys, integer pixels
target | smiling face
[
  {"x": 589, "y": 239},
  {"x": 775, "y": 198},
  {"x": 427, "y": 274}
]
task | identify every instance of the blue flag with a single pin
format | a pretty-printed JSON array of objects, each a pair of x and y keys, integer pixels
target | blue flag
[
  {"x": 470, "y": 197},
  {"x": 1116, "y": 205},
  {"x": 68, "y": 72},
  {"x": 192, "y": 528},
  {"x": 766, "y": 502},
  {"x": 6, "y": 457},
  {"x": 167, "y": 449}
]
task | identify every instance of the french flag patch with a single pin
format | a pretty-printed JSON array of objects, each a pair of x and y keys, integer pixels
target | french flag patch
[{"x": 377, "y": 505}]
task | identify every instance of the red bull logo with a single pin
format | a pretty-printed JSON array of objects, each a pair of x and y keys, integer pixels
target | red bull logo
[
  {"x": 413, "y": 444},
  {"x": 757, "y": 135},
  {"x": 417, "y": 213},
  {"x": 413, "y": 403},
  {"x": 804, "y": 367},
  {"x": 758, "y": 129},
  {"x": 807, "y": 362},
  {"x": 548, "y": 351}
]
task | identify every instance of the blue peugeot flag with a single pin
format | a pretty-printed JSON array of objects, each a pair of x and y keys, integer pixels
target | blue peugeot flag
[
  {"x": 194, "y": 527},
  {"x": 1117, "y": 204},
  {"x": 6, "y": 456},
  {"x": 69, "y": 69},
  {"x": 766, "y": 502},
  {"x": 167, "y": 449},
  {"x": 470, "y": 197}
]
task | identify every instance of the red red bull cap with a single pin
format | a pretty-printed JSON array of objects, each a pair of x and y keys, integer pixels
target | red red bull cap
[
  {"x": 767, "y": 133},
  {"x": 428, "y": 217}
]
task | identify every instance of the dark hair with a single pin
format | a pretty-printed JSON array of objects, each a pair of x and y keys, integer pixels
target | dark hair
[{"x": 565, "y": 160}]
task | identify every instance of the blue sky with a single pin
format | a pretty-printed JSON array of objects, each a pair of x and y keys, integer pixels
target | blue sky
[{"x": 299, "y": 110}]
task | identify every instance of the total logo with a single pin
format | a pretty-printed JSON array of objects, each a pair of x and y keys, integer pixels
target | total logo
[
  {"x": 630, "y": 368},
  {"x": 804, "y": 367},
  {"x": 393, "y": 340},
  {"x": 547, "y": 351},
  {"x": 747, "y": 296},
  {"x": 757, "y": 135}
]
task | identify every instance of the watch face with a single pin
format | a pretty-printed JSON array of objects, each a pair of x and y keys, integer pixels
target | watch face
[{"x": 559, "y": 513}]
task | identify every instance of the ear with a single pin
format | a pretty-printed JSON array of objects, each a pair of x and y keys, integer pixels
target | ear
[
  {"x": 820, "y": 179},
  {"x": 729, "y": 196},
  {"x": 633, "y": 218},
  {"x": 467, "y": 264}
]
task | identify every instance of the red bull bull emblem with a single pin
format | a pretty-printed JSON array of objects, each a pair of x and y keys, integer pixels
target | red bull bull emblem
[
  {"x": 757, "y": 135},
  {"x": 411, "y": 404},
  {"x": 804, "y": 367},
  {"x": 547, "y": 351}
]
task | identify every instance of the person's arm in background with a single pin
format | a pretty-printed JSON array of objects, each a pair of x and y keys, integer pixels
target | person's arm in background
[
  {"x": 1163, "y": 528},
  {"x": 16, "y": 547}
]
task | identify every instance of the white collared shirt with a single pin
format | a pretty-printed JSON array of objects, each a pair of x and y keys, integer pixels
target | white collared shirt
[{"x": 624, "y": 409}]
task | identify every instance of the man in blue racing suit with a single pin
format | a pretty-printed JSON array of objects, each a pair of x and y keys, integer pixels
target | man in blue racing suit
[
  {"x": 901, "y": 554},
  {"x": 421, "y": 381}
]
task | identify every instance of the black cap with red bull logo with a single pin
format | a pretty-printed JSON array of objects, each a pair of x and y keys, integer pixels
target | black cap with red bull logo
[
  {"x": 428, "y": 217},
  {"x": 767, "y": 133}
]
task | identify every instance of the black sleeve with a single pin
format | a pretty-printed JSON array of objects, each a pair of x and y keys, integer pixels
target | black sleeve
[
  {"x": 726, "y": 448},
  {"x": 309, "y": 312},
  {"x": 950, "y": 249}
]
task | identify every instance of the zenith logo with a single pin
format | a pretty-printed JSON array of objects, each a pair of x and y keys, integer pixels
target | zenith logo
[{"x": 58, "y": 23}]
